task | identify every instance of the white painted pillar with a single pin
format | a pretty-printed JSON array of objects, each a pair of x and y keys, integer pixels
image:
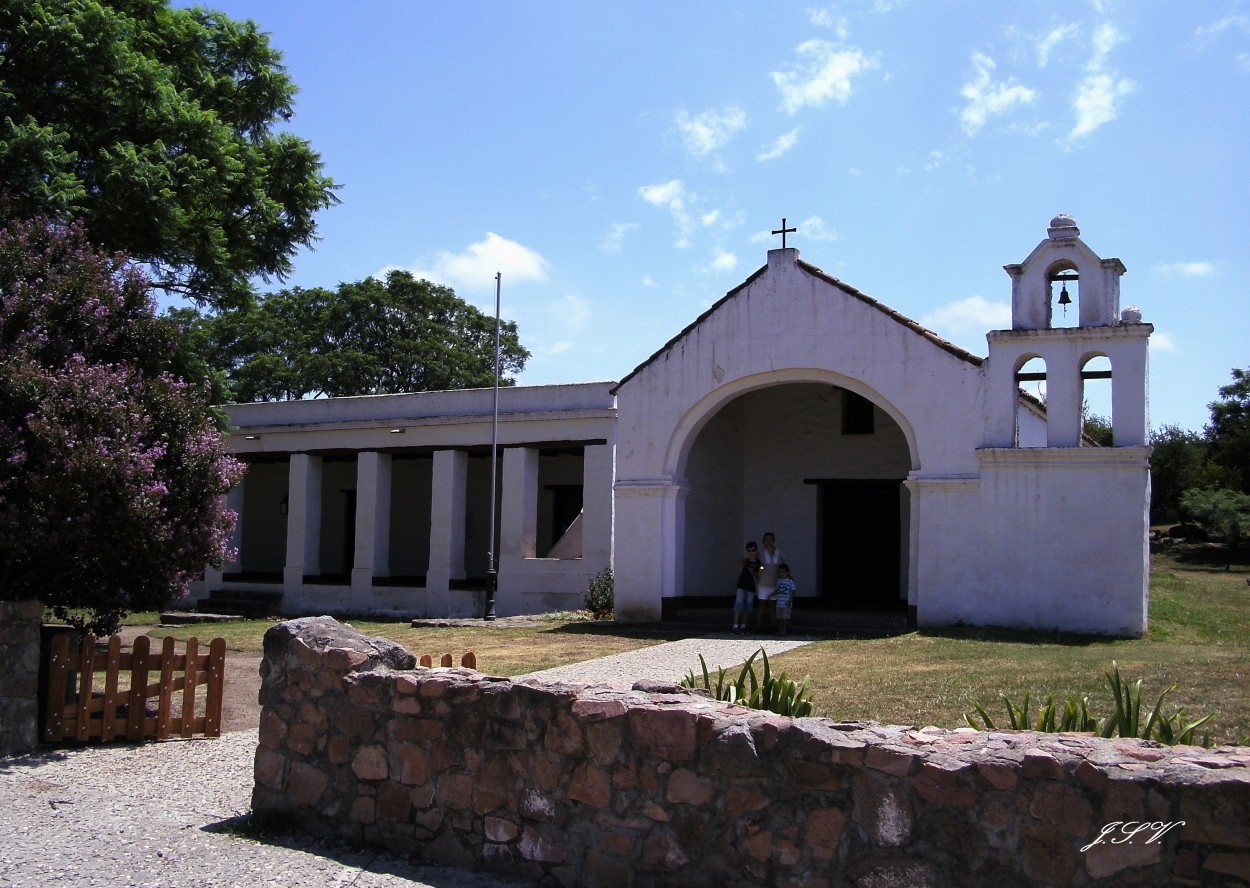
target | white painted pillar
[
  {"x": 518, "y": 508},
  {"x": 448, "y": 509},
  {"x": 373, "y": 520},
  {"x": 1129, "y": 399},
  {"x": 598, "y": 471},
  {"x": 646, "y": 546},
  {"x": 303, "y": 526},
  {"x": 1063, "y": 399}
]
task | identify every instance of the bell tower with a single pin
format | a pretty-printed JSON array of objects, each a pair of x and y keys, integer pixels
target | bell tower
[{"x": 1063, "y": 272}]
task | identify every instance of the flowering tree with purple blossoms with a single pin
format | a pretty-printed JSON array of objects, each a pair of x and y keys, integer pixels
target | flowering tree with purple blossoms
[{"x": 112, "y": 468}]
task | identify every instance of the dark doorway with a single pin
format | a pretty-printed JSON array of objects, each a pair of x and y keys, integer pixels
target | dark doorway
[{"x": 860, "y": 548}]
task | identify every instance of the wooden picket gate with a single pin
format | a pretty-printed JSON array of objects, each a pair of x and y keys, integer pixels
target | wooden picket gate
[{"x": 180, "y": 683}]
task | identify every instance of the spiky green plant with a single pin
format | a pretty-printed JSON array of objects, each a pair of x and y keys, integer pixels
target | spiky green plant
[
  {"x": 1073, "y": 715},
  {"x": 773, "y": 693}
]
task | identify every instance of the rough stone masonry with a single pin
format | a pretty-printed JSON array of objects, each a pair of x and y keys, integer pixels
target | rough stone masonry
[{"x": 571, "y": 785}]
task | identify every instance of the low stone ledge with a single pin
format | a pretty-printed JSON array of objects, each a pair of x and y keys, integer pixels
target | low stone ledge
[{"x": 571, "y": 785}]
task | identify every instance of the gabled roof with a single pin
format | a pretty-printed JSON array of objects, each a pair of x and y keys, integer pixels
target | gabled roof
[{"x": 925, "y": 332}]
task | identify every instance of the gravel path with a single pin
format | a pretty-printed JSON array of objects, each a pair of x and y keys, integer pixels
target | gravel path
[
  {"x": 171, "y": 814},
  {"x": 667, "y": 662}
]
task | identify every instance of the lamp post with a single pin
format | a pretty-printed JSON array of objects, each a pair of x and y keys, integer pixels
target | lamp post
[{"x": 492, "y": 572}]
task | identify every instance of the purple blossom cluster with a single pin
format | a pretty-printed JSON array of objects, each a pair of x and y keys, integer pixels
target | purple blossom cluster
[{"x": 113, "y": 473}]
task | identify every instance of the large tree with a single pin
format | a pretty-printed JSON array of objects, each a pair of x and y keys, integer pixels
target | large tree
[
  {"x": 1228, "y": 433},
  {"x": 365, "y": 338},
  {"x": 154, "y": 127},
  {"x": 1178, "y": 462},
  {"x": 112, "y": 468}
]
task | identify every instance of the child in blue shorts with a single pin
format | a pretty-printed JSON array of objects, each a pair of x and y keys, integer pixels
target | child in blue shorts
[{"x": 784, "y": 597}]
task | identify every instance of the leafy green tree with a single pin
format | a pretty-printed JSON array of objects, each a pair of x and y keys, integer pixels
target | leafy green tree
[
  {"x": 1177, "y": 464},
  {"x": 1097, "y": 429},
  {"x": 1224, "y": 514},
  {"x": 154, "y": 127},
  {"x": 1228, "y": 433},
  {"x": 112, "y": 468},
  {"x": 363, "y": 338}
]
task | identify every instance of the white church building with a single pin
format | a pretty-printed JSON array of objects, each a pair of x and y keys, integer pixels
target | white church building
[{"x": 896, "y": 470}]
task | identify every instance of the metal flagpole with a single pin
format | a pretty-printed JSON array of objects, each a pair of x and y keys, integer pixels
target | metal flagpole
[{"x": 492, "y": 573}]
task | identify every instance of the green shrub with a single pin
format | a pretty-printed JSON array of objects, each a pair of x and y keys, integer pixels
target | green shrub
[
  {"x": 601, "y": 595},
  {"x": 773, "y": 693},
  {"x": 1073, "y": 715}
]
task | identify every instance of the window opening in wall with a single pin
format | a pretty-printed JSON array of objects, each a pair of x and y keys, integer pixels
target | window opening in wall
[
  {"x": 1096, "y": 404},
  {"x": 857, "y": 414},
  {"x": 1031, "y": 383}
]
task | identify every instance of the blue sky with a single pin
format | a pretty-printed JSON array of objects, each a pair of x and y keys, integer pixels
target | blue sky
[{"x": 621, "y": 163}]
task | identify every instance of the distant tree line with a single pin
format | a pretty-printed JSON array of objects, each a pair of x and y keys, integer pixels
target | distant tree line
[
  {"x": 1204, "y": 477},
  {"x": 371, "y": 337}
]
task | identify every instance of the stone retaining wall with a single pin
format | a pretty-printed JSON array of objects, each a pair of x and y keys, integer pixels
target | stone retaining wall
[
  {"x": 569, "y": 785},
  {"x": 19, "y": 676}
]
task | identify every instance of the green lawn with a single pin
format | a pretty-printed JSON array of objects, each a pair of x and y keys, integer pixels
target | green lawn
[{"x": 1199, "y": 639}]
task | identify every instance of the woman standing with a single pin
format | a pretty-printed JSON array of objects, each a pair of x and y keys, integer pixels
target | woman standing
[{"x": 766, "y": 582}]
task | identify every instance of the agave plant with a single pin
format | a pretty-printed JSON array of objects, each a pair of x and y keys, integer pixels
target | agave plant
[
  {"x": 773, "y": 693},
  {"x": 1073, "y": 715}
]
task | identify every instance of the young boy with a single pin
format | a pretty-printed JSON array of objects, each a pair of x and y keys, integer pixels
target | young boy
[{"x": 784, "y": 597}]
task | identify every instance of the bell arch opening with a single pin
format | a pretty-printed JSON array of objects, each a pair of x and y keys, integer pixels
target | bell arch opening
[{"x": 820, "y": 466}]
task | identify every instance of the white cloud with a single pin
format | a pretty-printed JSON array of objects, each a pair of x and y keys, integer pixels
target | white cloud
[
  {"x": 1185, "y": 269},
  {"x": 1233, "y": 20},
  {"x": 649, "y": 281},
  {"x": 823, "y": 71},
  {"x": 666, "y": 194},
  {"x": 1097, "y": 96},
  {"x": 986, "y": 98},
  {"x": 723, "y": 261},
  {"x": 825, "y": 18},
  {"x": 572, "y": 312},
  {"x": 813, "y": 228},
  {"x": 710, "y": 130},
  {"x": 1162, "y": 342},
  {"x": 1095, "y": 102},
  {"x": 975, "y": 315},
  {"x": 616, "y": 235},
  {"x": 475, "y": 268},
  {"x": 1243, "y": 60},
  {"x": 710, "y": 218},
  {"x": 1052, "y": 39},
  {"x": 780, "y": 146}
]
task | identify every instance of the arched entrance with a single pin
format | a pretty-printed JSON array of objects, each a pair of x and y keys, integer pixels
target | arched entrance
[{"x": 820, "y": 465}]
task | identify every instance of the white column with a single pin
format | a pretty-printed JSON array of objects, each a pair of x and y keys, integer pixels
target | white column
[
  {"x": 1129, "y": 399},
  {"x": 598, "y": 472},
  {"x": 646, "y": 547},
  {"x": 448, "y": 509},
  {"x": 518, "y": 507},
  {"x": 1063, "y": 399},
  {"x": 303, "y": 525},
  {"x": 373, "y": 519}
]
